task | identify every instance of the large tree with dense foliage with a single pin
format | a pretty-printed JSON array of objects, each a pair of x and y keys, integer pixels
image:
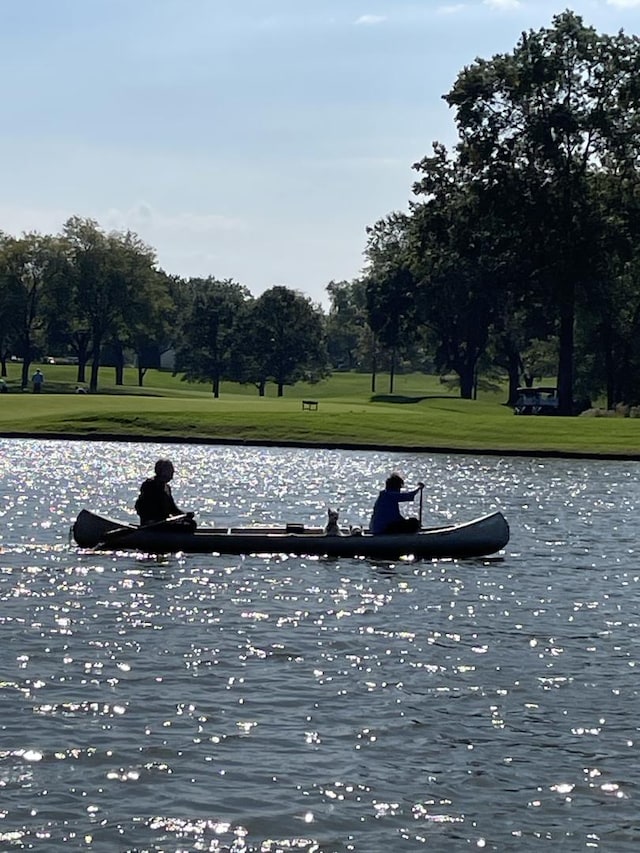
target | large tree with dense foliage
[
  {"x": 151, "y": 325},
  {"x": 109, "y": 273},
  {"x": 29, "y": 268},
  {"x": 209, "y": 335},
  {"x": 348, "y": 332},
  {"x": 393, "y": 313},
  {"x": 608, "y": 334},
  {"x": 285, "y": 339},
  {"x": 563, "y": 107},
  {"x": 90, "y": 307},
  {"x": 149, "y": 313},
  {"x": 463, "y": 263},
  {"x": 6, "y": 328}
]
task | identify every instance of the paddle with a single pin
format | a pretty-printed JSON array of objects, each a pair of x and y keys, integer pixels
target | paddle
[
  {"x": 421, "y": 488},
  {"x": 122, "y": 532}
]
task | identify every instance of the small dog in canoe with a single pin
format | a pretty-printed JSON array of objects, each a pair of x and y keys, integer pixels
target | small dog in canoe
[{"x": 332, "y": 528}]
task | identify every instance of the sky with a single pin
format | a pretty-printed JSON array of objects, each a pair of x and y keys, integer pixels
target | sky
[{"x": 246, "y": 139}]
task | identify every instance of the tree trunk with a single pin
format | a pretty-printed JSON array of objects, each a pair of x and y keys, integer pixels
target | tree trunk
[
  {"x": 141, "y": 374},
  {"x": 81, "y": 347},
  {"x": 26, "y": 363},
  {"x": 466, "y": 374},
  {"x": 119, "y": 366},
  {"x": 216, "y": 387},
  {"x": 392, "y": 370},
  {"x": 95, "y": 366},
  {"x": 374, "y": 364},
  {"x": 280, "y": 389},
  {"x": 609, "y": 370},
  {"x": 565, "y": 355},
  {"x": 513, "y": 371}
]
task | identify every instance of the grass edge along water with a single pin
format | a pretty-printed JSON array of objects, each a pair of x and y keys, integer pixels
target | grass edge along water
[{"x": 419, "y": 416}]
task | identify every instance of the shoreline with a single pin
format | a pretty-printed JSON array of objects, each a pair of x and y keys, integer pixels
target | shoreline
[{"x": 310, "y": 445}]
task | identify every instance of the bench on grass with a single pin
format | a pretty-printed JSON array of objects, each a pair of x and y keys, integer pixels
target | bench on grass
[{"x": 309, "y": 404}]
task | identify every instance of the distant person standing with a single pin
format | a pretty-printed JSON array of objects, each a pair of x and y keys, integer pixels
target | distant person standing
[{"x": 38, "y": 380}]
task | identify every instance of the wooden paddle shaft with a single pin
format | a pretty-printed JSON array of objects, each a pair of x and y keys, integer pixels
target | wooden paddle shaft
[{"x": 118, "y": 532}]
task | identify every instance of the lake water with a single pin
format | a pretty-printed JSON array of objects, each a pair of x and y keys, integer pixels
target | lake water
[{"x": 214, "y": 703}]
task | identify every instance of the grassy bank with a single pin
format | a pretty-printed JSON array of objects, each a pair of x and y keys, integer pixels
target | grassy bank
[{"x": 420, "y": 414}]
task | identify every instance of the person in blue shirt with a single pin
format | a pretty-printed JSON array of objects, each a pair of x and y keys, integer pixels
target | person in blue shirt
[
  {"x": 38, "y": 380},
  {"x": 387, "y": 517}
]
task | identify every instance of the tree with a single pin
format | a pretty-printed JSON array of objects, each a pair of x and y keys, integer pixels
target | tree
[
  {"x": 608, "y": 327},
  {"x": 608, "y": 339},
  {"x": 5, "y": 309},
  {"x": 461, "y": 262},
  {"x": 29, "y": 266},
  {"x": 347, "y": 329},
  {"x": 562, "y": 107},
  {"x": 149, "y": 310},
  {"x": 390, "y": 301},
  {"x": 286, "y": 340},
  {"x": 249, "y": 365},
  {"x": 392, "y": 309},
  {"x": 109, "y": 272},
  {"x": 152, "y": 325},
  {"x": 209, "y": 338}
]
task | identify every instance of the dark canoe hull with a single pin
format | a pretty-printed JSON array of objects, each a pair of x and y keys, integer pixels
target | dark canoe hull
[{"x": 478, "y": 538}]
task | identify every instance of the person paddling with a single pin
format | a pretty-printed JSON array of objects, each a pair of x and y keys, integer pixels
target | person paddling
[
  {"x": 386, "y": 517},
  {"x": 155, "y": 502}
]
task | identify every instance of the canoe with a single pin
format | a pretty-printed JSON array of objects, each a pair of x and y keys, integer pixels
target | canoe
[{"x": 477, "y": 538}]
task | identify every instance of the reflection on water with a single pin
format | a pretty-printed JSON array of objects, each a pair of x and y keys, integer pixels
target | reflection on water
[{"x": 269, "y": 704}]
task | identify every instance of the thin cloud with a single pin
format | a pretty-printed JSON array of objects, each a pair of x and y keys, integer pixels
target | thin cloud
[
  {"x": 624, "y": 4},
  {"x": 503, "y": 5},
  {"x": 370, "y": 20},
  {"x": 453, "y": 9},
  {"x": 143, "y": 216}
]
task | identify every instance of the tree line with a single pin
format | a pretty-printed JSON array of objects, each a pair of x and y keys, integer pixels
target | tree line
[
  {"x": 520, "y": 249},
  {"x": 517, "y": 256},
  {"x": 101, "y": 298}
]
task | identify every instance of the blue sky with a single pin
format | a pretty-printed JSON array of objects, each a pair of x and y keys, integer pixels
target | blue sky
[{"x": 249, "y": 139}]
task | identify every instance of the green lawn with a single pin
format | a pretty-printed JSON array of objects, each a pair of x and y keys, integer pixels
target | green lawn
[
  {"x": 421, "y": 413},
  {"x": 63, "y": 379}
]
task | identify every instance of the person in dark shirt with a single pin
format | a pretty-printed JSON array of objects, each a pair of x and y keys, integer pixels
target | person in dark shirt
[
  {"x": 155, "y": 502},
  {"x": 387, "y": 517}
]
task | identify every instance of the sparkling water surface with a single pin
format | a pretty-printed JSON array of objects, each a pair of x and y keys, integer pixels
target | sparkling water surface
[{"x": 216, "y": 703}]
